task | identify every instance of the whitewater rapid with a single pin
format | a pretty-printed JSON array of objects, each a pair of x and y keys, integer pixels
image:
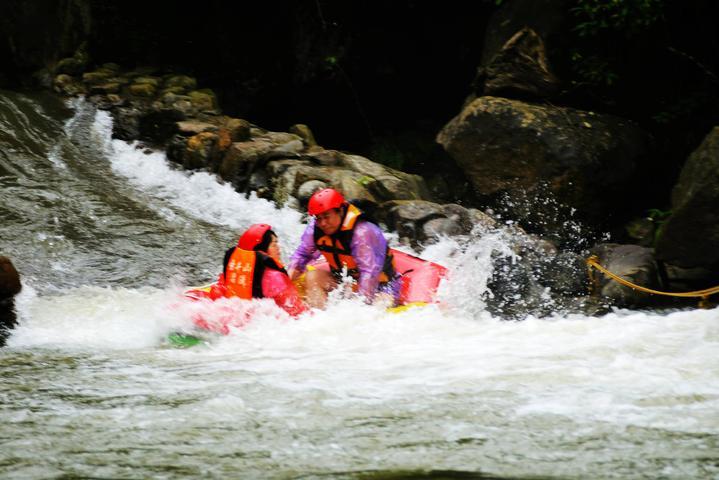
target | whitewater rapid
[{"x": 92, "y": 388}]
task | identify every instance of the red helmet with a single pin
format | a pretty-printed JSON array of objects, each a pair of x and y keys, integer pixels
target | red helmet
[
  {"x": 325, "y": 199},
  {"x": 253, "y": 236}
]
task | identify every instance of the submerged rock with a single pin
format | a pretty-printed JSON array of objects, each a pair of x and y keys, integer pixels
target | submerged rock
[
  {"x": 633, "y": 263},
  {"x": 9, "y": 287}
]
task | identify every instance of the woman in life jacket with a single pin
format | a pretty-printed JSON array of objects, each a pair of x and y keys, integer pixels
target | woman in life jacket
[
  {"x": 350, "y": 243},
  {"x": 253, "y": 269}
]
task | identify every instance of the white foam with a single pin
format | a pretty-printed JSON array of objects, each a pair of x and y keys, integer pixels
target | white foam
[
  {"x": 626, "y": 368},
  {"x": 198, "y": 194}
]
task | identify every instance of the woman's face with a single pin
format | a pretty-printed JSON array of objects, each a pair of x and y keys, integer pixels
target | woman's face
[{"x": 274, "y": 249}]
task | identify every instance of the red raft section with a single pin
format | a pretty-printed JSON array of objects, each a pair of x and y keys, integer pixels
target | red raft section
[{"x": 420, "y": 280}]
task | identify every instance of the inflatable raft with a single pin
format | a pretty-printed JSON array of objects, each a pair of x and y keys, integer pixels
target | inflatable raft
[{"x": 420, "y": 280}]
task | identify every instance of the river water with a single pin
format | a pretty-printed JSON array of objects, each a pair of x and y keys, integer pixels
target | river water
[{"x": 106, "y": 234}]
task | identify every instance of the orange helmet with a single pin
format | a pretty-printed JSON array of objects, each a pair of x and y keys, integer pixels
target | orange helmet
[
  {"x": 254, "y": 236},
  {"x": 325, "y": 199}
]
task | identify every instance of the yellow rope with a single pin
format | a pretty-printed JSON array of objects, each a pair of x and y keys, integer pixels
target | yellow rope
[{"x": 593, "y": 261}]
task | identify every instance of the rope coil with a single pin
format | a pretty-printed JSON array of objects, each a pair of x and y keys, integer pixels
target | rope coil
[{"x": 593, "y": 262}]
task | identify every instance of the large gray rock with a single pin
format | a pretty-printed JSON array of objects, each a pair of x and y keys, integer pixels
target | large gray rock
[
  {"x": 290, "y": 175},
  {"x": 633, "y": 263},
  {"x": 690, "y": 237},
  {"x": 421, "y": 221},
  {"x": 387, "y": 183},
  {"x": 407, "y": 217},
  {"x": 581, "y": 158},
  {"x": 242, "y": 159},
  {"x": 358, "y": 178}
]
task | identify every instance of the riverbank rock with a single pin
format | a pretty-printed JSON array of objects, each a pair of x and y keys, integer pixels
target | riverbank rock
[
  {"x": 580, "y": 158},
  {"x": 422, "y": 221},
  {"x": 9, "y": 287},
  {"x": 689, "y": 238},
  {"x": 633, "y": 263}
]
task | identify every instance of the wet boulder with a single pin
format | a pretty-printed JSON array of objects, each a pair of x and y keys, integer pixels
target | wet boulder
[
  {"x": 126, "y": 123},
  {"x": 424, "y": 222},
  {"x": 633, "y": 263},
  {"x": 202, "y": 150},
  {"x": 408, "y": 217},
  {"x": 242, "y": 159},
  {"x": 564, "y": 273},
  {"x": 9, "y": 287},
  {"x": 690, "y": 236},
  {"x": 580, "y": 158},
  {"x": 157, "y": 126}
]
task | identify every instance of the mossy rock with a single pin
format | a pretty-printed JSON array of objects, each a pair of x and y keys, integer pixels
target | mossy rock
[
  {"x": 146, "y": 90},
  {"x": 105, "y": 88},
  {"x": 67, "y": 85},
  {"x": 172, "y": 90},
  {"x": 239, "y": 129},
  {"x": 71, "y": 66},
  {"x": 97, "y": 77},
  {"x": 202, "y": 150},
  {"x": 154, "y": 81},
  {"x": 119, "y": 79},
  {"x": 203, "y": 100},
  {"x": 183, "y": 82}
]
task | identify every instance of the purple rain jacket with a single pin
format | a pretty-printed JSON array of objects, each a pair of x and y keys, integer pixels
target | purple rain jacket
[{"x": 368, "y": 249}]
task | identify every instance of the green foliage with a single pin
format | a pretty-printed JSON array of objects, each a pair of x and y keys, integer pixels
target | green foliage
[
  {"x": 331, "y": 61},
  {"x": 388, "y": 153},
  {"x": 629, "y": 17},
  {"x": 682, "y": 108},
  {"x": 598, "y": 25},
  {"x": 365, "y": 180},
  {"x": 659, "y": 218},
  {"x": 593, "y": 69}
]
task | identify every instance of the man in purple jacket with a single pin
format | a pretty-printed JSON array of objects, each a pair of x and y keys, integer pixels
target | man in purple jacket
[{"x": 349, "y": 243}]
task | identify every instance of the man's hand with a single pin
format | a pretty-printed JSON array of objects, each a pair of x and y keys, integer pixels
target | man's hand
[{"x": 293, "y": 274}]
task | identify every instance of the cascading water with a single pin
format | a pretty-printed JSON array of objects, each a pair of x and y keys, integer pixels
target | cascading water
[{"x": 105, "y": 234}]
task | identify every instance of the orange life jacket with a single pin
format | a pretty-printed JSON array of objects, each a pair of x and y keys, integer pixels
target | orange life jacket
[
  {"x": 244, "y": 270},
  {"x": 336, "y": 248}
]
